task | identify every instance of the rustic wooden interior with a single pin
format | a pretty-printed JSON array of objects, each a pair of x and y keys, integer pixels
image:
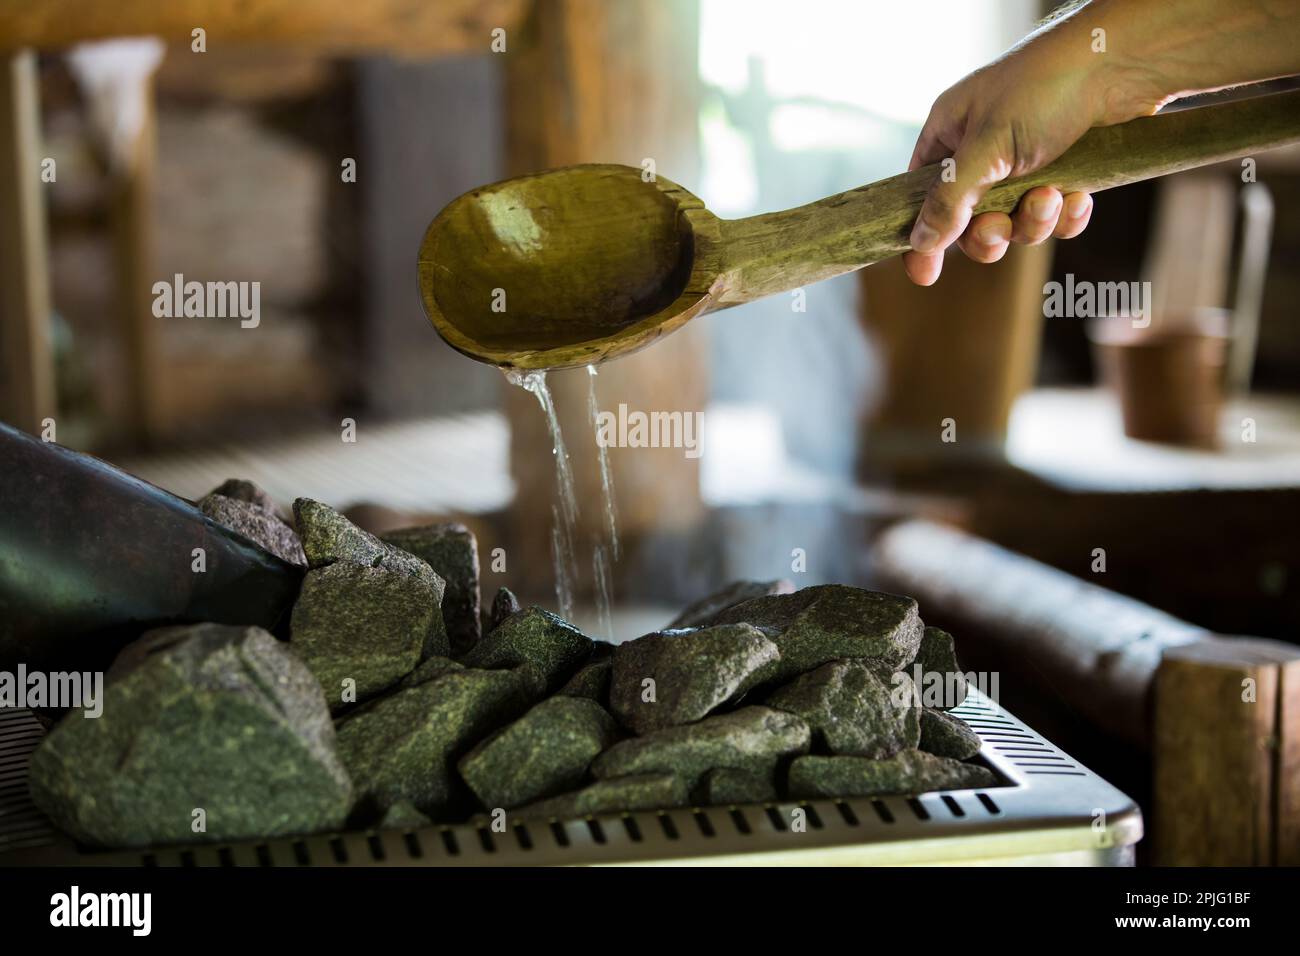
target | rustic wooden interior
[{"x": 1200, "y": 548}]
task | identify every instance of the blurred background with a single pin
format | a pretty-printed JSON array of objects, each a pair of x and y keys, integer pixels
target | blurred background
[{"x": 1176, "y": 452}]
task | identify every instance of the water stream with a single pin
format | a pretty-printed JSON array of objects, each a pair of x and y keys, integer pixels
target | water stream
[{"x": 565, "y": 511}]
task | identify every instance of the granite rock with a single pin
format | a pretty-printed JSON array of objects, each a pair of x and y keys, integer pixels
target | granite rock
[
  {"x": 216, "y": 718},
  {"x": 404, "y": 746},
  {"x": 947, "y": 736},
  {"x": 452, "y": 551},
  {"x": 618, "y": 795},
  {"x": 543, "y": 753},
  {"x": 693, "y": 672},
  {"x": 366, "y": 624},
  {"x": 329, "y": 537},
  {"x": 258, "y": 525},
  {"x": 591, "y": 681},
  {"x": 402, "y": 815},
  {"x": 503, "y": 605},
  {"x": 831, "y": 621},
  {"x": 852, "y": 711},
  {"x": 246, "y": 491},
  {"x": 430, "y": 668},
  {"x": 542, "y": 648},
  {"x": 724, "y": 786},
  {"x": 753, "y": 739},
  {"x": 702, "y": 612},
  {"x": 908, "y": 772},
  {"x": 939, "y": 676}
]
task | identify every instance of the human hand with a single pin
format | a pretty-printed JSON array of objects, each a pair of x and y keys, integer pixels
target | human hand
[{"x": 1007, "y": 119}]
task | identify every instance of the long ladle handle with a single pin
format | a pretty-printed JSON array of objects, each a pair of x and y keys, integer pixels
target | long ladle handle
[{"x": 779, "y": 251}]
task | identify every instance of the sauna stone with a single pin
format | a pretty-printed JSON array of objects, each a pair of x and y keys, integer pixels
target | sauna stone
[
  {"x": 753, "y": 739},
  {"x": 543, "y": 753},
  {"x": 938, "y": 655},
  {"x": 369, "y": 625},
  {"x": 328, "y": 537},
  {"x": 831, "y": 621},
  {"x": 257, "y": 524},
  {"x": 430, "y": 668},
  {"x": 403, "y": 815},
  {"x": 703, "y": 611},
  {"x": 618, "y": 795},
  {"x": 676, "y": 677},
  {"x": 909, "y": 772},
  {"x": 241, "y": 489},
  {"x": 503, "y": 605},
  {"x": 852, "y": 711},
  {"x": 404, "y": 746},
  {"x": 592, "y": 682},
  {"x": 725, "y": 786},
  {"x": 542, "y": 648},
  {"x": 452, "y": 551},
  {"x": 947, "y": 736},
  {"x": 216, "y": 718}
]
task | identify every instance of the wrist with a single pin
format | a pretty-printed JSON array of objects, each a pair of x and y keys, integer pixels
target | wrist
[{"x": 1118, "y": 80}]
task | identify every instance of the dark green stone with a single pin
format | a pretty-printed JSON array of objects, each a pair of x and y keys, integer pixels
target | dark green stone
[
  {"x": 694, "y": 672},
  {"x": 909, "y": 772},
  {"x": 753, "y": 739},
  {"x": 544, "y": 649},
  {"x": 936, "y": 671},
  {"x": 262, "y": 527},
  {"x": 851, "y": 710},
  {"x": 947, "y": 736},
  {"x": 619, "y": 795},
  {"x": 404, "y": 746},
  {"x": 831, "y": 621},
  {"x": 452, "y": 551},
  {"x": 503, "y": 605},
  {"x": 724, "y": 787},
  {"x": 403, "y": 815},
  {"x": 362, "y": 623},
  {"x": 545, "y": 752},
  {"x": 703, "y": 611},
  {"x": 429, "y": 669},
  {"x": 591, "y": 682},
  {"x": 211, "y": 717},
  {"x": 328, "y": 537}
]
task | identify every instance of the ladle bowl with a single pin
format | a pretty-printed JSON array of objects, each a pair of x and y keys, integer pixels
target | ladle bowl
[{"x": 579, "y": 265}]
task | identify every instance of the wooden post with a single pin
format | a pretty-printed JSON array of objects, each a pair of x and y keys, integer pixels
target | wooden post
[
  {"x": 27, "y": 393},
  {"x": 132, "y": 218},
  {"x": 591, "y": 81},
  {"x": 1227, "y": 754},
  {"x": 963, "y": 350}
]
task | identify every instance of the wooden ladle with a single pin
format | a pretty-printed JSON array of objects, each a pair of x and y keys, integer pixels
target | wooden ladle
[{"x": 582, "y": 264}]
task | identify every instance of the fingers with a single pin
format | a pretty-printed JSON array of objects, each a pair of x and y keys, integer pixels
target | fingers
[
  {"x": 923, "y": 268},
  {"x": 987, "y": 238},
  {"x": 1035, "y": 216},
  {"x": 946, "y": 211},
  {"x": 1074, "y": 216}
]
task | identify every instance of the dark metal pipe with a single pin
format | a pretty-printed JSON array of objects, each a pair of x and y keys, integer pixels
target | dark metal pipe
[{"x": 90, "y": 556}]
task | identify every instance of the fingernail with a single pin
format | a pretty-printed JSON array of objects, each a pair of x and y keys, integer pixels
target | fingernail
[
  {"x": 924, "y": 237},
  {"x": 990, "y": 235},
  {"x": 1042, "y": 209},
  {"x": 1076, "y": 206}
]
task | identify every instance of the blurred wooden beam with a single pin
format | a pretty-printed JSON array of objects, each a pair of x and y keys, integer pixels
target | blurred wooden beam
[
  {"x": 27, "y": 393},
  {"x": 416, "y": 27}
]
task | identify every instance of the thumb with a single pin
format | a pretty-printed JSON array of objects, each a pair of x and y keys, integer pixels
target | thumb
[{"x": 978, "y": 163}]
